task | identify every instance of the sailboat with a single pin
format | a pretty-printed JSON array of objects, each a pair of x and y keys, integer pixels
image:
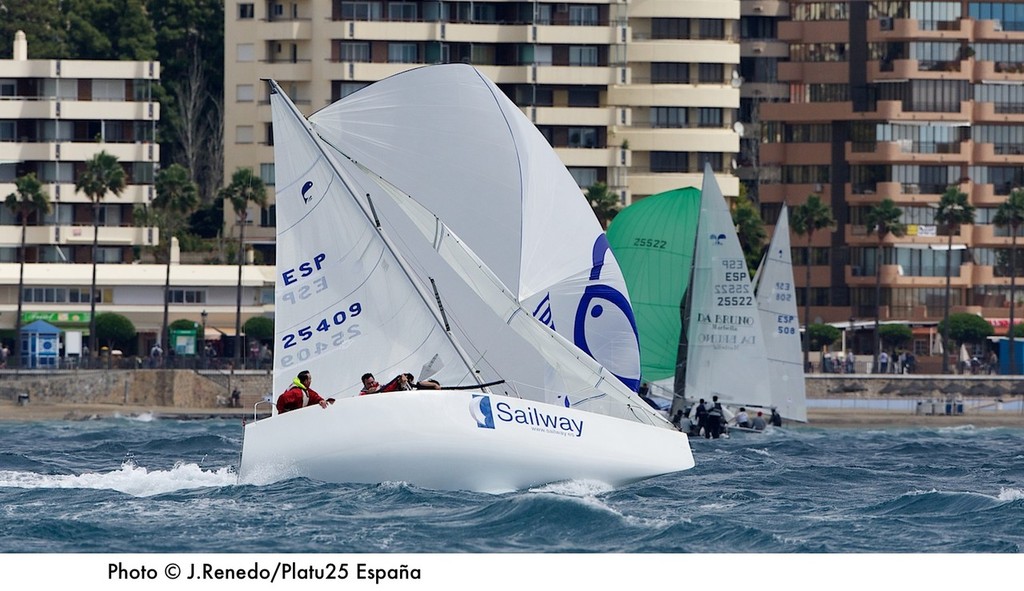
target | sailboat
[
  {"x": 653, "y": 240},
  {"x": 372, "y": 279},
  {"x": 776, "y": 301},
  {"x": 696, "y": 252},
  {"x": 725, "y": 348}
]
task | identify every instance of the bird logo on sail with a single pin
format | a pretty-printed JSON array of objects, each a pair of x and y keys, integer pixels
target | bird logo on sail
[
  {"x": 305, "y": 189},
  {"x": 480, "y": 409},
  {"x": 717, "y": 239}
]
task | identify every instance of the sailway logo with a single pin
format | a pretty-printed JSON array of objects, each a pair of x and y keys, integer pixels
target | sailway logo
[
  {"x": 480, "y": 408},
  {"x": 305, "y": 189}
]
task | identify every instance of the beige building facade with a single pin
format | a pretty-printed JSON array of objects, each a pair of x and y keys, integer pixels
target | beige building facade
[{"x": 637, "y": 94}]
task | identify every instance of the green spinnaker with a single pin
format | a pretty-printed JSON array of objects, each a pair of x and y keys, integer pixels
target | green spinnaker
[{"x": 653, "y": 242}]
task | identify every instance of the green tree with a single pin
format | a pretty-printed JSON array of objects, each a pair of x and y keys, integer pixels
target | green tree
[
  {"x": 108, "y": 30},
  {"x": 102, "y": 174},
  {"x": 246, "y": 188},
  {"x": 965, "y": 328},
  {"x": 259, "y": 328},
  {"x": 953, "y": 212},
  {"x": 176, "y": 198},
  {"x": 40, "y": 20},
  {"x": 882, "y": 220},
  {"x": 115, "y": 331},
  {"x": 605, "y": 203},
  {"x": 806, "y": 219},
  {"x": 749, "y": 229},
  {"x": 822, "y": 335},
  {"x": 895, "y": 336},
  {"x": 1010, "y": 214},
  {"x": 29, "y": 199}
]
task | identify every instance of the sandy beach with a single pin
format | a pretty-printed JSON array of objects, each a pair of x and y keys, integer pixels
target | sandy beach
[{"x": 817, "y": 418}]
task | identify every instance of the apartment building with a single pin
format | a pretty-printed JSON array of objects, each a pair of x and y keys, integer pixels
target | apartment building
[
  {"x": 54, "y": 116},
  {"x": 634, "y": 93},
  {"x": 900, "y": 100}
]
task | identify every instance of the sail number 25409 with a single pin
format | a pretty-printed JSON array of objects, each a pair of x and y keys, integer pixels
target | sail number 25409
[{"x": 323, "y": 325}]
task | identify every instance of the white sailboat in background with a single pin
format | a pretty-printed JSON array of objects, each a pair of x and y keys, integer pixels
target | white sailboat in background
[
  {"x": 353, "y": 296},
  {"x": 725, "y": 353},
  {"x": 776, "y": 300}
]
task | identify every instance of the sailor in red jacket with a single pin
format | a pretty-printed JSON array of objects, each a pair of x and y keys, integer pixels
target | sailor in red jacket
[{"x": 300, "y": 395}]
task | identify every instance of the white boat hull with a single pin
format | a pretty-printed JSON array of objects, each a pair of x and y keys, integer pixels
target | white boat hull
[{"x": 457, "y": 440}]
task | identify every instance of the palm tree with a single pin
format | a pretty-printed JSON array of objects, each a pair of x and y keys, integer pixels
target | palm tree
[
  {"x": 246, "y": 188},
  {"x": 28, "y": 199},
  {"x": 953, "y": 211},
  {"x": 103, "y": 174},
  {"x": 1011, "y": 213},
  {"x": 176, "y": 197},
  {"x": 882, "y": 219},
  {"x": 811, "y": 216},
  {"x": 605, "y": 203}
]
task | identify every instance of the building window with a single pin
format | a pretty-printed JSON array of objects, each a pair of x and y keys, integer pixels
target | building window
[
  {"x": 583, "y": 15},
  {"x": 711, "y": 28},
  {"x": 108, "y": 90},
  {"x": 186, "y": 296},
  {"x": 354, "y": 51},
  {"x": 246, "y": 11},
  {"x": 361, "y": 11},
  {"x": 243, "y": 134},
  {"x": 584, "y": 177},
  {"x": 268, "y": 216},
  {"x": 7, "y": 131},
  {"x": 668, "y": 117},
  {"x": 402, "y": 11},
  {"x": 709, "y": 117},
  {"x": 402, "y": 53},
  {"x": 270, "y": 134},
  {"x": 582, "y": 137},
  {"x": 267, "y": 173},
  {"x": 342, "y": 89},
  {"x": 669, "y": 161},
  {"x": 584, "y": 97},
  {"x": 711, "y": 73},
  {"x": 670, "y": 73},
  {"x": 712, "y": 158},
  {"x": 582, "y": 55},
  {"x": 670, "y": 28},
  {"x": 245, "y": 93}
]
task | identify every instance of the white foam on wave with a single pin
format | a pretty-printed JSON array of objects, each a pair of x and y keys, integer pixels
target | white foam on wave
[
  {"x": 1011, "y": 494},
  {"x": 129, "y": 479}
]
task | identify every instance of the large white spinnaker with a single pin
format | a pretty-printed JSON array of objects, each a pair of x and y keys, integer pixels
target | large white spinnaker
[
  {"x": 342, "y": 296},
  {"x": 452, "y": 140},
  {"x": 587, "y": 384},
  {"x": 776, "y": 300},
  {"x": 725, "y": 344}
]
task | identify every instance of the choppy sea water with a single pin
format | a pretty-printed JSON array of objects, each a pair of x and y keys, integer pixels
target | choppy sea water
[{"x": 169, "y": 486}]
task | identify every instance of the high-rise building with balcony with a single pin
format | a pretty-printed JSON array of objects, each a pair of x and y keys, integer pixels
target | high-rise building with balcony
[
  {"x": 901, "y": 100},
  {"x": 637, "y": 94},
  {"x": 54, "y": 116}
]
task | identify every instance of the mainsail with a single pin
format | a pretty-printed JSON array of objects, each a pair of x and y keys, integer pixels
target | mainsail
[
  {"x": 776, "y": 300},
  {"x": 341, "y": 292},
  {"x": 726, "y": 354},
  {"x": 653, "y": 241},
  {"x": 464, "y": 151}
]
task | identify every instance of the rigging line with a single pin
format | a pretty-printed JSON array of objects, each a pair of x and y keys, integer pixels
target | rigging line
[{"x": 475, "y": 386}]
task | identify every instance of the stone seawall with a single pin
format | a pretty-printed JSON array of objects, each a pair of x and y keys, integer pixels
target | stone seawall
[
  {"x": 143, "y": 387},
  {"x": 208, "y": 389}
]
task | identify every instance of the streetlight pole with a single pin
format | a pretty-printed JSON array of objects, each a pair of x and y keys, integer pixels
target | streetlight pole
[
  {"x": 202, "y": 364},
  {"x": 950, "y": 228}
]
